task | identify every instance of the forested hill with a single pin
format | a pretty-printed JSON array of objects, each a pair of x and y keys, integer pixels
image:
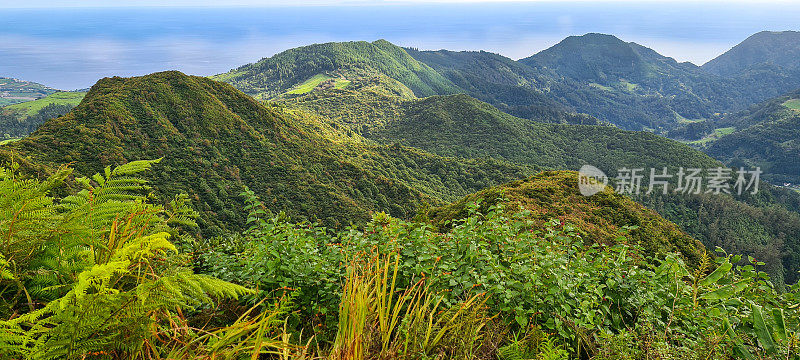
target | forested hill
[
  {"x": 632, "y": 73},
  {"x": 622, "y": 83},
  {"x": 215, "y": 140},
  {"x": 554, "y": 195},
  {"x": 301, "y": 69},
  {"x": 458, "y": 125},
  {"x": 778, "y": 49},
  {"x": 768, "y": 136}
]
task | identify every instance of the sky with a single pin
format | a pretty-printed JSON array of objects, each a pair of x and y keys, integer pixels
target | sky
[
  {"x": 258, "y": 3},
  {"x": 58, "y": 44}
]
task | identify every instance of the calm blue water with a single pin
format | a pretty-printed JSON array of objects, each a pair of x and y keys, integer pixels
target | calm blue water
[{"x": 72, "y": 48}]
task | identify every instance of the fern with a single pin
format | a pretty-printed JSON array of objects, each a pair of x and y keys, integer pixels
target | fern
[
  {"x": 550, "y": 350},
  {"x": 97, "y": 268}
]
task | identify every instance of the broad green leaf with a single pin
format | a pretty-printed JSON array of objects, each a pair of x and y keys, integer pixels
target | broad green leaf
[
  {"x": 763, "y": 333},
  {"x": 780, "y": 325},
  {"x": 717, "y": 274}
]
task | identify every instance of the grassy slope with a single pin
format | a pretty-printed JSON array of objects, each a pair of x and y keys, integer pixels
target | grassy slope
[
  {"x": 275, "y": 75},
  {"x": 30, "y": 108},
  {"x": 315, "y": 81},
  {"x": 793, "y": 104}
]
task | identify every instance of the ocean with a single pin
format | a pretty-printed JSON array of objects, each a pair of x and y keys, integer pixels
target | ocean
[{"x": 71, "y": 48}]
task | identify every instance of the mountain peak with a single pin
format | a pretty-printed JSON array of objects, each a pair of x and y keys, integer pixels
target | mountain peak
[
  {"x": 765, "y": 48},
  {"x": 599, "y": 58},
  {"x": 300, "y": 70}
]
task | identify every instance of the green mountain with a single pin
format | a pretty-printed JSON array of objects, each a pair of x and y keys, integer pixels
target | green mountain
[
  {"x": 461, "y": 126},
  {"x": 779, "y": 49},
  {"x": 508, "y": 85},
  {"x": 215, "y": 140},
  {"x": 458, "y": 125},
  {"x": 631, "y": 76},
  {"x": 14, "y": 91},
  {"x": 767, "y": 136},
  {"x": 625, "y": 84},
  {"x": 622, "y": 83},
  {"x": 298, "y": 71}
]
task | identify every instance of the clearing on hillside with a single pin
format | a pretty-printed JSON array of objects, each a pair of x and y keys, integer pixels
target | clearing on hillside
[
  {"x": 793, "y": 104},
  {"x": 30, "y": 108},
  {"x": 315, "y": 81}
]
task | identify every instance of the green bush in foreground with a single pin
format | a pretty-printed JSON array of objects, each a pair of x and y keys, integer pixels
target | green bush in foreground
[
  {"x": 94, "y": 275},
  {"x": 546, "y": 286}
]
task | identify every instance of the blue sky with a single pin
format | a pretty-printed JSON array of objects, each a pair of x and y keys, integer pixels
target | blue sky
[
  {"x": 68, "y": 47},
  {"x": 217, "y": 3}
]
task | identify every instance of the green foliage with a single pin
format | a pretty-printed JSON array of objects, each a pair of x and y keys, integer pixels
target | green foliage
[
  {"x": 460, "y": 126},
  {"x": 18, "y": 124},
  {"x": 218, "y": 140},
  {"x": 601, "y": 217},
  {"x": 273, "y": 76},
  {"x": 602, "y": 301},
  {"x": 93, "y": 274}
]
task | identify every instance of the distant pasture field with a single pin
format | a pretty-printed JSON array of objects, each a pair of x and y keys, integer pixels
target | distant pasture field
[
  {"x": 30, "y": 108},
  {"x": 314, "y": 81},
  {"x": 793, "y": 104}
]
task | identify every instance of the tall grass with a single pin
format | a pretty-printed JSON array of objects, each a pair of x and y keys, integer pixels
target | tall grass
[{"x": 379, "y": 320}]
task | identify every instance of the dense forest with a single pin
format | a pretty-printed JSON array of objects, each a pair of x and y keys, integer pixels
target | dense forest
[
  {"x": 461, "y": 126},
  {"x": 16, "y": 125},
  {"x": 622, "y": 83}
]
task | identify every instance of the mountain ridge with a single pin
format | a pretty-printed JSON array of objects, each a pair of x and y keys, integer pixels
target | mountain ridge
[{"x": 780, "y": 48}]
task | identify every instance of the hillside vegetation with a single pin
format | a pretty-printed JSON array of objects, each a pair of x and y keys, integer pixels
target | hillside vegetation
[
  {"x": 215, "y": 140},
  {"x": 103, "y": 273},
  {"x": 599, "y": 218},
  {"x": 458, "y": 125},
  {"x": 766, "y": 48},
  {"x": 625, "y": 84},
  {"x": 358, "y": 209},
  {"x": 21, "y": 119},
  {"x": 273, "y": 76}
]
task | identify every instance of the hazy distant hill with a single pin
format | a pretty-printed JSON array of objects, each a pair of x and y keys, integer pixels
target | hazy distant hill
[
  {"x": 766, "y": 48},
  {"x": 622, "y": 83},
  {"x": 301, "y": 69},
  {"x": 14, "y": 91}
]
